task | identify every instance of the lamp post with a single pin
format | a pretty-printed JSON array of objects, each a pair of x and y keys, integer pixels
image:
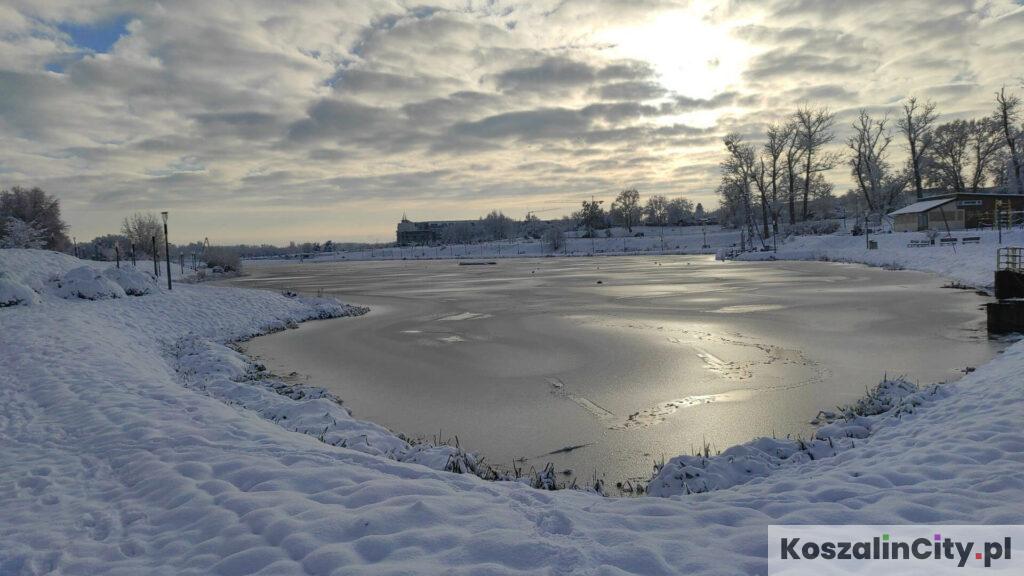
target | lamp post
[{"x": 167, "y": 250}]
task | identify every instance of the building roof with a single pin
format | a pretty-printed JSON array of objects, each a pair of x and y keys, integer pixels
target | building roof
[{"x": 923, "y": 206}]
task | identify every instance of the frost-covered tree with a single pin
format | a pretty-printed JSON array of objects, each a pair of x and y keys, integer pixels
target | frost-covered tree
[
  {"x": 880, "y": 186},
  {"x": 738, "y": 176},
  {"x": 553, "y": 237},
  {"x": 140, "y": 229},
  {"x": 497, "y": 226},
  {"x": 16, "y": 233},
  {"x": 813, "y": 133},
  {"x": 41, "y": 209}
]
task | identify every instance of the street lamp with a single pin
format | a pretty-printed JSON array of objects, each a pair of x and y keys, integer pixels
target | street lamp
[{"x": 167, "y": 250}]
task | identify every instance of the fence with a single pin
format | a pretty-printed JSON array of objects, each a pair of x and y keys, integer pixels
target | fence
[{"x": 1010, "y": 258}]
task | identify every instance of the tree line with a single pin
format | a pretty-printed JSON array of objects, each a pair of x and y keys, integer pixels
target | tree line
[
  {"x": 782, "y": 179},
  {"x": 628, "y": 211}
]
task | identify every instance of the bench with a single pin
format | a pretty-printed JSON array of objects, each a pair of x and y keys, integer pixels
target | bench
[
  {"x": 971, "y": 240},
  {"x": 918, "y": 243},
  {"x": 948, "y": 241}
]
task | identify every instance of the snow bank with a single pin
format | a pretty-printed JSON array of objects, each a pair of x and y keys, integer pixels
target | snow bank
[
  {"x": 969, "y": 264},
  {"x": 686, "y": 474},
  {"x": 16, "y": 294},
  {"x": 109, "y": 464},
  {"x": 225, "y": 374}
]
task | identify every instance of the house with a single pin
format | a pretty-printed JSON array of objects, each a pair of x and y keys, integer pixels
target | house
[{"x": 958, "y": 211}]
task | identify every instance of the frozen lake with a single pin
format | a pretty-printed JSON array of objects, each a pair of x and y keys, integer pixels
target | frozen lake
[{"x": 530, "y": 356}]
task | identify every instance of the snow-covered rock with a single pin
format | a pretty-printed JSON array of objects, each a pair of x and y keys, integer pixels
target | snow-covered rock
[{"x": 87, "y": 283}]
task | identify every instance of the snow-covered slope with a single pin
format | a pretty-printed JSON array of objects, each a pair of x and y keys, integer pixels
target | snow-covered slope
[
  {"x": 970, "y": 264},
  {"x": 112, "y": 463}
]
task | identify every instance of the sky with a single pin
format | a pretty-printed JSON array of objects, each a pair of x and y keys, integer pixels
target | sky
[{"x": 268, "y": 121}]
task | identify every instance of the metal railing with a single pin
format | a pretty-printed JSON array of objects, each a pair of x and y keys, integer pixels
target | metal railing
[{"x": 1010, "y": 258}]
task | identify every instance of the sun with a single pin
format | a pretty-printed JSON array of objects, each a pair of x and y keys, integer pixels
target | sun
[{"x": 693, "y": 55}]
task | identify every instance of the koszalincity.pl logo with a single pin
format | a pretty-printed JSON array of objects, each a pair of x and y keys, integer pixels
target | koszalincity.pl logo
[
  {"x": 884, "y": 547},
  {"x": 936, "y": 550}
]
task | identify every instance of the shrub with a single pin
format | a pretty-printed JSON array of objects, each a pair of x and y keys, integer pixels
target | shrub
[
  {"x": 226, "y": 258},
  {"x": 813, "y": 228}
]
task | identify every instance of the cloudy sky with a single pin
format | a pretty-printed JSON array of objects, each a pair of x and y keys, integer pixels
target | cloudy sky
[{"x": 276, "y": 121}]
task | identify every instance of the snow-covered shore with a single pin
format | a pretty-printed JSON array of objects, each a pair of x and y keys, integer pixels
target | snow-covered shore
[
  {"x": 968, "y": 264},
  {"x": 641, "y": 240},
  {"x": 130, "y": 445}
]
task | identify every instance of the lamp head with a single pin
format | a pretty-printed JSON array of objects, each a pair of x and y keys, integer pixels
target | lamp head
[{"x": 164, "y": 216}]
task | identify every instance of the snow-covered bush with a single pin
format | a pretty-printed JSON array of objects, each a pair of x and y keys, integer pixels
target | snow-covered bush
[
  {"x": 16, "y": 233},
  {"x": 224, "y": 258},
  {"x": 87, "y": 283},
  {"x": 16, "y": 294},
  {"x": 132, "y": 281},
  {"x": 813, "y": 228},
  {"x": 839, "y": 430}
]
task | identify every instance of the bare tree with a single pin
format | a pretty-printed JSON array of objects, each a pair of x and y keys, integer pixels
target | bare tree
[
  {"x": 792, "y": 160},
  {"x": 985, "y": 145},
  {"x": 759, "y": 173},
  {"x": 553, "y": 237},
  {"x": 656, "y": 210},
  {"x": 591, "y": 215},
  {"x": 779, "y": 136},
  {"x": 738, "y": 173},
  {"x": 1007, "y": 116},
  {"x": 626, "y": 208},
  {"x": 961, "y": 153},
  {"x": 916, "y": 125},
  {"x": 814, "y": 131},
  {"x": 868, "y": 164},
  {"x": 945, "y": 167},
  {"x": 679, "y": 210},
  {"x": 141, "y": 229}
]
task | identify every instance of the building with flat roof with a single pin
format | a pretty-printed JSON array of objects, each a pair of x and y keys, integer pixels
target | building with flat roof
[
  {"x": 959, "y": 211},
  {"x": 420, "y": 233}
]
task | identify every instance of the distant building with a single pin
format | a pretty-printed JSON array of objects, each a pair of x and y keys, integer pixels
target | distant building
[
  {"x": 418, "y": 233},
  {"x": 957, "y": 211}
]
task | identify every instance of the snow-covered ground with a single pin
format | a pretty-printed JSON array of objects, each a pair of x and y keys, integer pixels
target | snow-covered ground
[
  {"x": 133, "y": 442},
  {"x": 641, "y": 240},
  {"x": 969, "y": 264}
]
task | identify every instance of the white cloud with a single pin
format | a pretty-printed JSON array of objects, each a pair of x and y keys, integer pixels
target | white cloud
[{"x": 216, "y": 109}]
